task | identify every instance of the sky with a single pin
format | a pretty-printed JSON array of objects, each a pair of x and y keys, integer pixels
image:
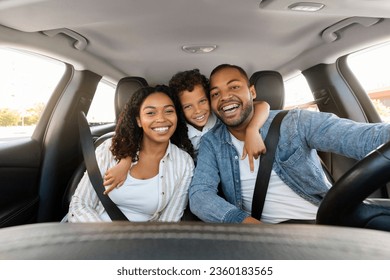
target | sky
[
  {"x": 372, "y": 79},
  {"x": 24, "y": 86},
  {"x": 31, "y": 79}
]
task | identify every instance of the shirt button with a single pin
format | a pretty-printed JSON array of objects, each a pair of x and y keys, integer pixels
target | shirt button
[
  {"x": 163, "y": 193},
  {"x": 236, "y": 157}
]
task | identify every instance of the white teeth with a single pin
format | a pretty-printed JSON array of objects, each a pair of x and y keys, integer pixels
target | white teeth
[
  {"x": 160, "y": 129},
  {"x": 200, "y": 118},
  {"x": 230, "y": 107}
]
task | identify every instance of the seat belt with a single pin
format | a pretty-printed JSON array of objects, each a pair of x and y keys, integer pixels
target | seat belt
[
  {"x": 93, "y": 170},
  {"x": 266, "y": 163}
]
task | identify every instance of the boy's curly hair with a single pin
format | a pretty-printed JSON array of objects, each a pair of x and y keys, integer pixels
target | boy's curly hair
[
  {"x": 128, "y": 135},
  {"x": 187, "y": 80}
]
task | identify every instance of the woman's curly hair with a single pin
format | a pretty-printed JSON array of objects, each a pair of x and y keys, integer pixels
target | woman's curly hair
[
  {"x": 187, "y": 80},
  {"x": 128, "y": 135}
]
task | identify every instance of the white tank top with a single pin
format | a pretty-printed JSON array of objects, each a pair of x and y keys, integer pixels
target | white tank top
[
  {"x": 137, "y": 199},
  {"x": 281, "y": 202}
]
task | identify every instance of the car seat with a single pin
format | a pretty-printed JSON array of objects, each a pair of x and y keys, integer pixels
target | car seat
[
  {"x": 126, "y": 87},
  {"x": 269, "y": 87}
]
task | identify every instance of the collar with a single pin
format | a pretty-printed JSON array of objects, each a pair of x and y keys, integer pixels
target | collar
[
  {"x": 224, "y": 134},
  {"x": 193, "y": 132},
  {"x": 168, "y": 153}
]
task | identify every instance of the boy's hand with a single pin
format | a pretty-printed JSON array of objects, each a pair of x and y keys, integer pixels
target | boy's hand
[
  {"x": 253, "y": 147},
  {"x": 116, "y": 176},
  {"x": 111, "y": 181}
]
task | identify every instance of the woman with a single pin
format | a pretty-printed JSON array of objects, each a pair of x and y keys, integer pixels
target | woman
[{"x": 152, "y": 132}]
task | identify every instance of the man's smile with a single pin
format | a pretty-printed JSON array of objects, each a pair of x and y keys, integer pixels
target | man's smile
[{"x": 229, "y": 109}]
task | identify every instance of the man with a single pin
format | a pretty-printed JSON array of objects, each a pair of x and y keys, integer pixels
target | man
[{"x": 297, "y": 184}]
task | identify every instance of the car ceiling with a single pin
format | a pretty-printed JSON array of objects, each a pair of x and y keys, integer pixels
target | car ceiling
[{"x": 145, "y": 38}]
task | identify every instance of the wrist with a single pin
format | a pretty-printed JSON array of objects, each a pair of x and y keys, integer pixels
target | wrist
[{"x": 252, "y": 128}]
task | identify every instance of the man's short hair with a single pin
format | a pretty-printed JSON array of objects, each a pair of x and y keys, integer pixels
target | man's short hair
[{"x": 224, "y": 66}]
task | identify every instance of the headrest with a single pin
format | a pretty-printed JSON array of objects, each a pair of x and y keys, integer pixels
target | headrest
[
  {"x": 269, "y": 87},
  {"x": 124, "y": 89}
]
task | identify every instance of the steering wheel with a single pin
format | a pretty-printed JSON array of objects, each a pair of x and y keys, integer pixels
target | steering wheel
[{"x": 345, "y": 203}]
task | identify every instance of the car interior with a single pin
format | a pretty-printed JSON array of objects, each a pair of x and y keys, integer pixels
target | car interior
[{"x": 131, "y": 44}]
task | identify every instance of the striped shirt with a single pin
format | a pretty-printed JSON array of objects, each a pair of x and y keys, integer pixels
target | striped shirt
[{"x": 174, "y": 177}]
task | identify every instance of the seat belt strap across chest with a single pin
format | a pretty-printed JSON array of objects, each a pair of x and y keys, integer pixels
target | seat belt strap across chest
[
  {"x": 266, "y": 163},
  {"x": 93, "y": 170}
]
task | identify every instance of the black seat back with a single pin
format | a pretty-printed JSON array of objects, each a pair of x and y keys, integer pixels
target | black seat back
[
  {"x": 125, "y": 88},
  {"x": 269, "y": 87}
]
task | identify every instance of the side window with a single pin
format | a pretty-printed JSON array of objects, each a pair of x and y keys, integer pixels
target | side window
[
  {"x": 102, "y": 110},
  {"x": 27, "y": 82},
  {"x": 371, "y": 68},
  {"x": 298, "y": 94}
]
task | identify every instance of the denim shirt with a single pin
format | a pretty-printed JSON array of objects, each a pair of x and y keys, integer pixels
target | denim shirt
[{"x": 296, "y": 162}]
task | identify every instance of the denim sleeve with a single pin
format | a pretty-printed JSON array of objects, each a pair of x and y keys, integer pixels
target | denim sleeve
[
  {"x": 329, "y": 133},
  {"x": 204, "y": 200}
]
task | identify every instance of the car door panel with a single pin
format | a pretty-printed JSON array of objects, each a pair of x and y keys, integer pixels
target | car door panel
[{"x": 19, "y": 178}]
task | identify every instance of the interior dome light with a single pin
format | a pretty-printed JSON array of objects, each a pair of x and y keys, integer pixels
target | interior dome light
[
  {"x": 199, "y": 49},
  {"x": 306, "y": 6}
]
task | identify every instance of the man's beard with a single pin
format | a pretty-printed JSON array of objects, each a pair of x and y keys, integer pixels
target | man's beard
[{"x": 246, "y": 112}]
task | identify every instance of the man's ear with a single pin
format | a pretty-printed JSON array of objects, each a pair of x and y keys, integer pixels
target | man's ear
[{"x": 253, "y": 92}]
